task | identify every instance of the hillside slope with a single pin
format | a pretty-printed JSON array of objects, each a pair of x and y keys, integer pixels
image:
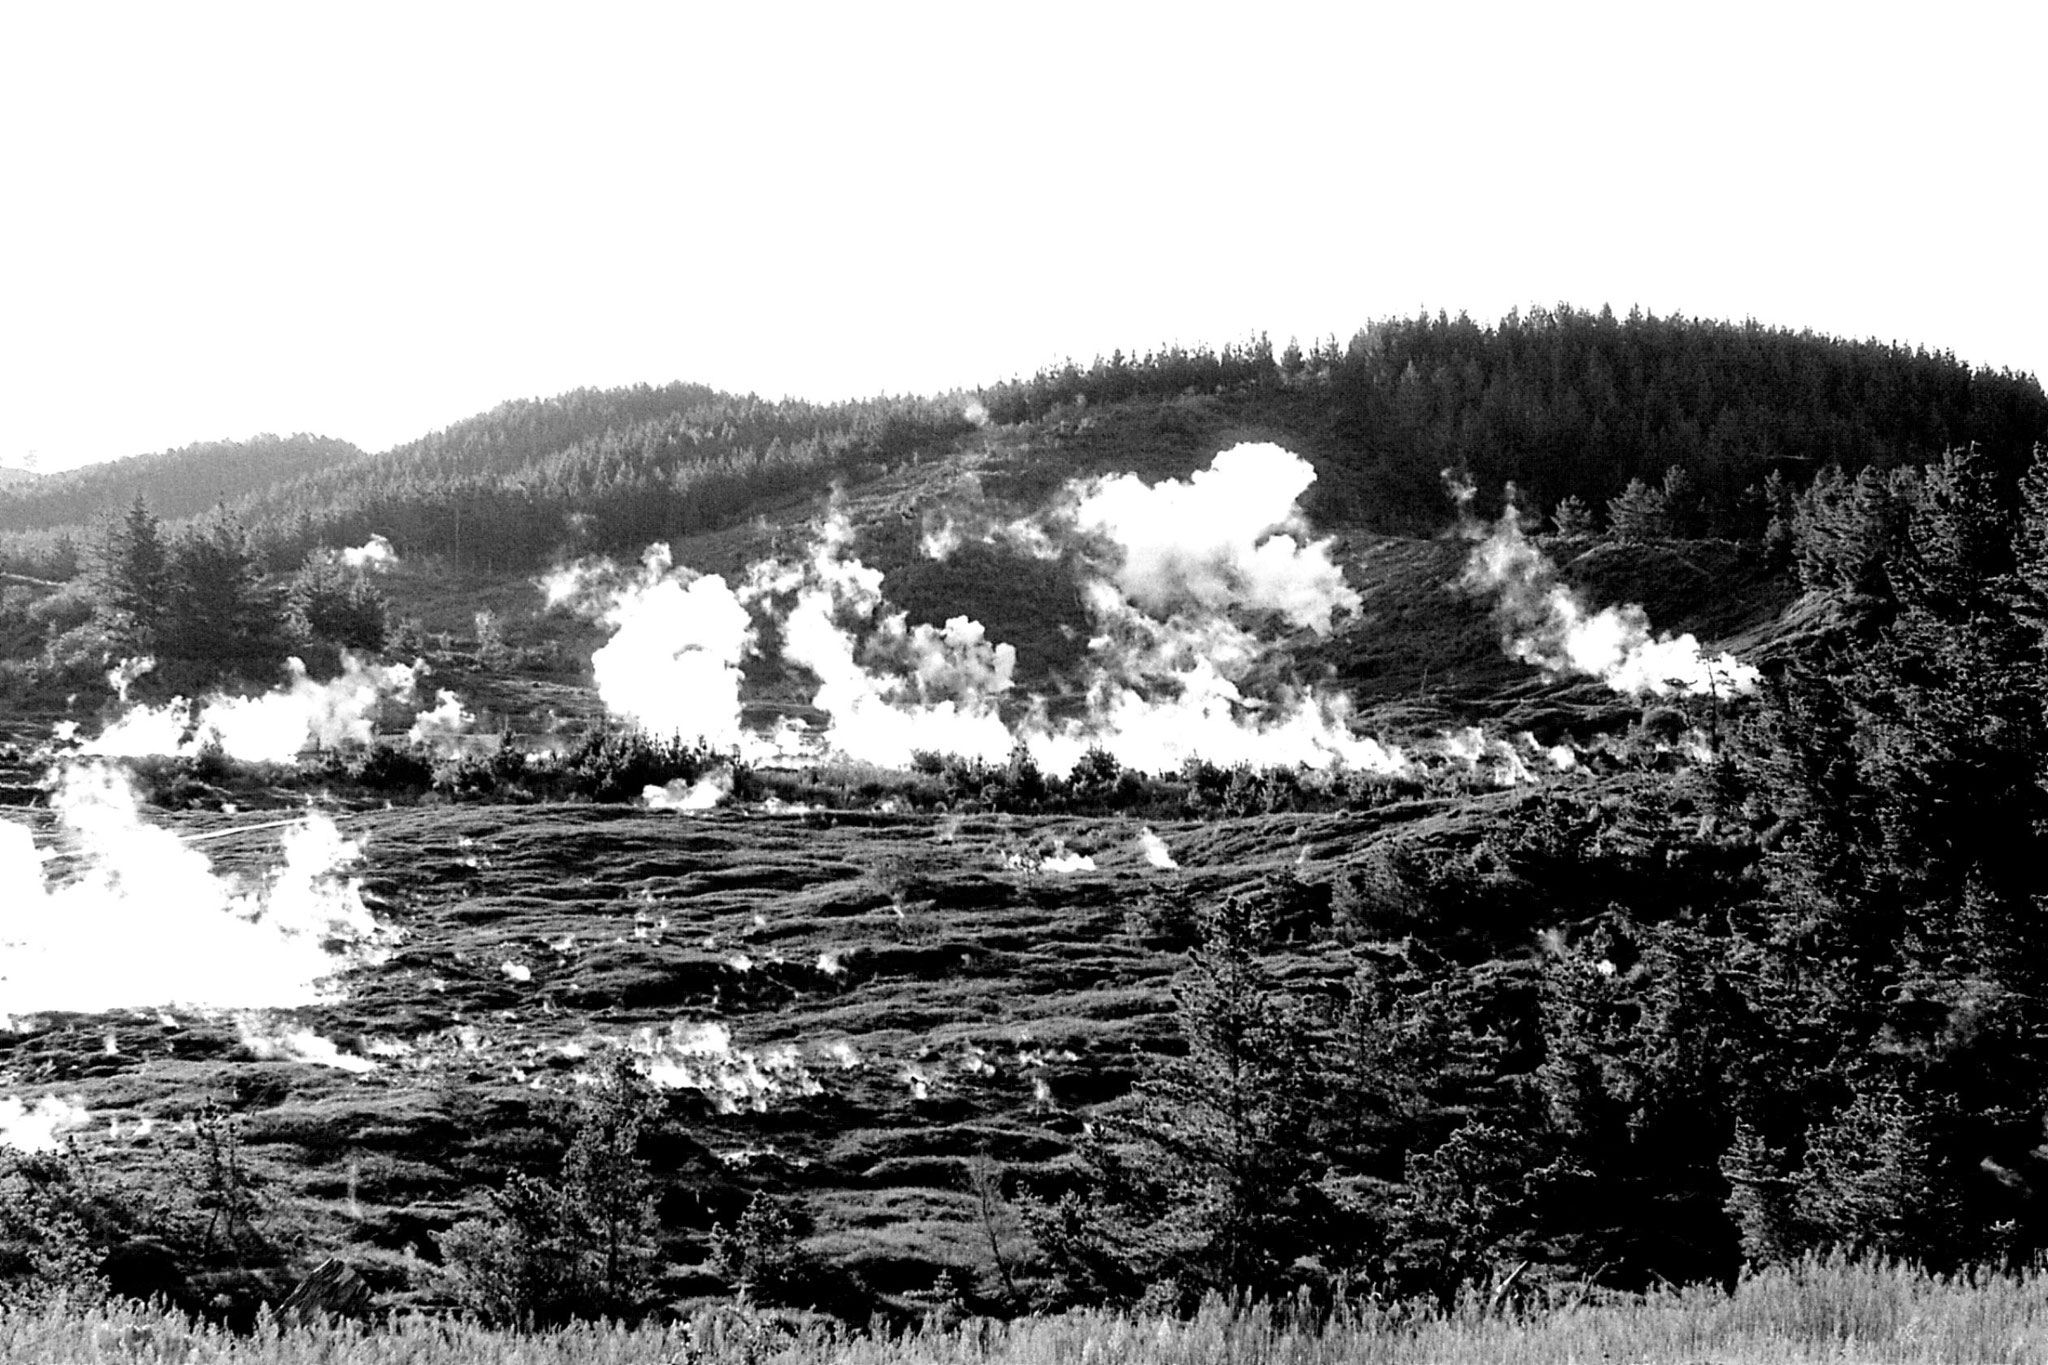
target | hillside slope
[
  {"x": 1559, "y": 959},
  {"x": 177, "y": 484},
  {"x": 854, "y": 1005}
]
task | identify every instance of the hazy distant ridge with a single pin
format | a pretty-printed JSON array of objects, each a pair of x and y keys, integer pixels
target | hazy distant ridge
[
  {"x": 1562, "y": 403},
  {"x": 176, "y": 483}
]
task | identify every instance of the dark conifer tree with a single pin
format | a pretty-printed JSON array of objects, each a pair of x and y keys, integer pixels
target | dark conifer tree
[
  {"x": 223, "y": 619},
  {"x": 1210, "y": 1180},
  {"x": 134, "y": 579},
  {"x": 1906, "y": 929}
]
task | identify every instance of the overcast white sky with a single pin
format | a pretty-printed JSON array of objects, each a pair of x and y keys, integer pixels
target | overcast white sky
[{"x": 372, "y": 220}]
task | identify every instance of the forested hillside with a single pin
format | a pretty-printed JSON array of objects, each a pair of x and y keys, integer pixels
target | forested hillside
[
  {"x": 1706, "y": 427},
  {"x": 1480, "y": 967},
  {"x": 1563, "y": 404},
  {"x": 176, "y": 483},
  {"x": 605, "y": 471},
  {"x": 1568, "y": 403}
]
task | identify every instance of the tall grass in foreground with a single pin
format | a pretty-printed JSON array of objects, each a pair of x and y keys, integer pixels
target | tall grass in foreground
[{"x": 1824, "y": 1310}]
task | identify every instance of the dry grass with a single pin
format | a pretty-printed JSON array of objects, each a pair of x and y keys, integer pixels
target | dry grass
[{"x": 1826, "y": 1311}]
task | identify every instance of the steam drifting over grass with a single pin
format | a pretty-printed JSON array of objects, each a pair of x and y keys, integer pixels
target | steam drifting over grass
[
  {"x": 890, "y": 688},
  {"x": 701, "y": 1057},
  {"x": 39, "y": 1126},
  {"x": 1223, "y": 538},
  {"x": 1154, "y": 849},
  {"x": 142, "y": 919},
  {"x": 1543, "y": 622},
  {"x": 270, "y": 1040},
  {"x": 1185, "y": 581},
  {"x": 276, "y": 726},
  {"x": 706, "y": 793},
  {"x": 673, "y": 662}
]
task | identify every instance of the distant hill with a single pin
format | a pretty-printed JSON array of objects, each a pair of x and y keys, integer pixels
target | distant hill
[
  {"x": 1719, "y": 420},
  {"x": 1562, "y": 403},
  {"x": 594, "y": 470},
  {"x": 10, "y": 478},
  {"x": 176, "y": 483}
]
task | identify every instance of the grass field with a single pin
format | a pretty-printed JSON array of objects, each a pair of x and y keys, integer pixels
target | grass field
[
  {"x": 1824, "y": 1311},
  {"x": 848, "y": 1006}
]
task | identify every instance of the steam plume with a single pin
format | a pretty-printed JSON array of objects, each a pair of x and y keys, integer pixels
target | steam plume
[
  {"x": 273, "y": 728},
  {"x": 373, "y": 556},
  {"x": 1543, "y": 622},
  {"x": 122, "y": 676},
  {"x": 1496, "y": 758},
  {"x": 147, "y": 922},
  {"x": 706, "y": 793},
  {"x": 903, "y": 689},
  {"x": 438, "y": 729},
  {"x": 701, "y": 1057},
  {"x": 1154, "y": 849},
  {"x": 1225, "y": 537},
  {"x": 1060, "y": 860},
  {"x": 673, "y": 661},
  {"x": 37, "y": 1127},
  {"x": 270, "y": 1041},
  {"x": 1180, "y": 577}
]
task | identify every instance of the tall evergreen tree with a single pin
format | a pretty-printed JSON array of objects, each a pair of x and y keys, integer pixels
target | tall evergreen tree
[
  {"x": 1907, "y": 932},
  {"x": 223, "y": 620},
  {"x": 330, "y": 602},
  {"x": 1210, "y": 1181},
  {"x": 134, "y": 579}
]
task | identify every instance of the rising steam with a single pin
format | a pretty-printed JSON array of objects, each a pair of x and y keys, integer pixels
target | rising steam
[
  {"x": 273, "y": 728},
  {"x": 1543, "y": 622},
  {"x": 1186, "y": 581},
  {"x": 673, "y": 662},
  {"x": 270, "y": 1040},
  {"x": 39, "y": 1126},
  {"x": 706, "y": 793},
  {"x": 373, "y": 556},
  {"x": 701, "y": 1057},
  {"x": 145, "y": 921},
  {"x": 890, "y": 688},
  {"x": 439, "y": 728},
  {"x": 1155, "y": 851},
  {"x": 1224, "y": 538}
]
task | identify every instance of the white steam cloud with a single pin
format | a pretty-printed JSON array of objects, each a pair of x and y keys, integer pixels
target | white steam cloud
[
  {"x": 903, "y": 689},
  {"x": 1224, "y": 538},
  {"x": 1543, "y": 622},
  {"x": 270, "y": 1041},
  {"x": 701, "y": 1057},
  {"x": 1059, "y": 860},
  {"x": 1495, "y": 759},
  {"x": 1182, "y": 580},
  {"x": 39, "y": 1126},
  {"x": 706, "y": 793},
  {"x": 672, "y": 664},
  {"x": 273, "y": 728},
  {"x": 439, "y": 728},
  {"x": 123, "y": 675},
  {"x": 145, "y": 921},
  {"x": 1154, "y": 849},
  {"x": 374, "y": 556}
]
